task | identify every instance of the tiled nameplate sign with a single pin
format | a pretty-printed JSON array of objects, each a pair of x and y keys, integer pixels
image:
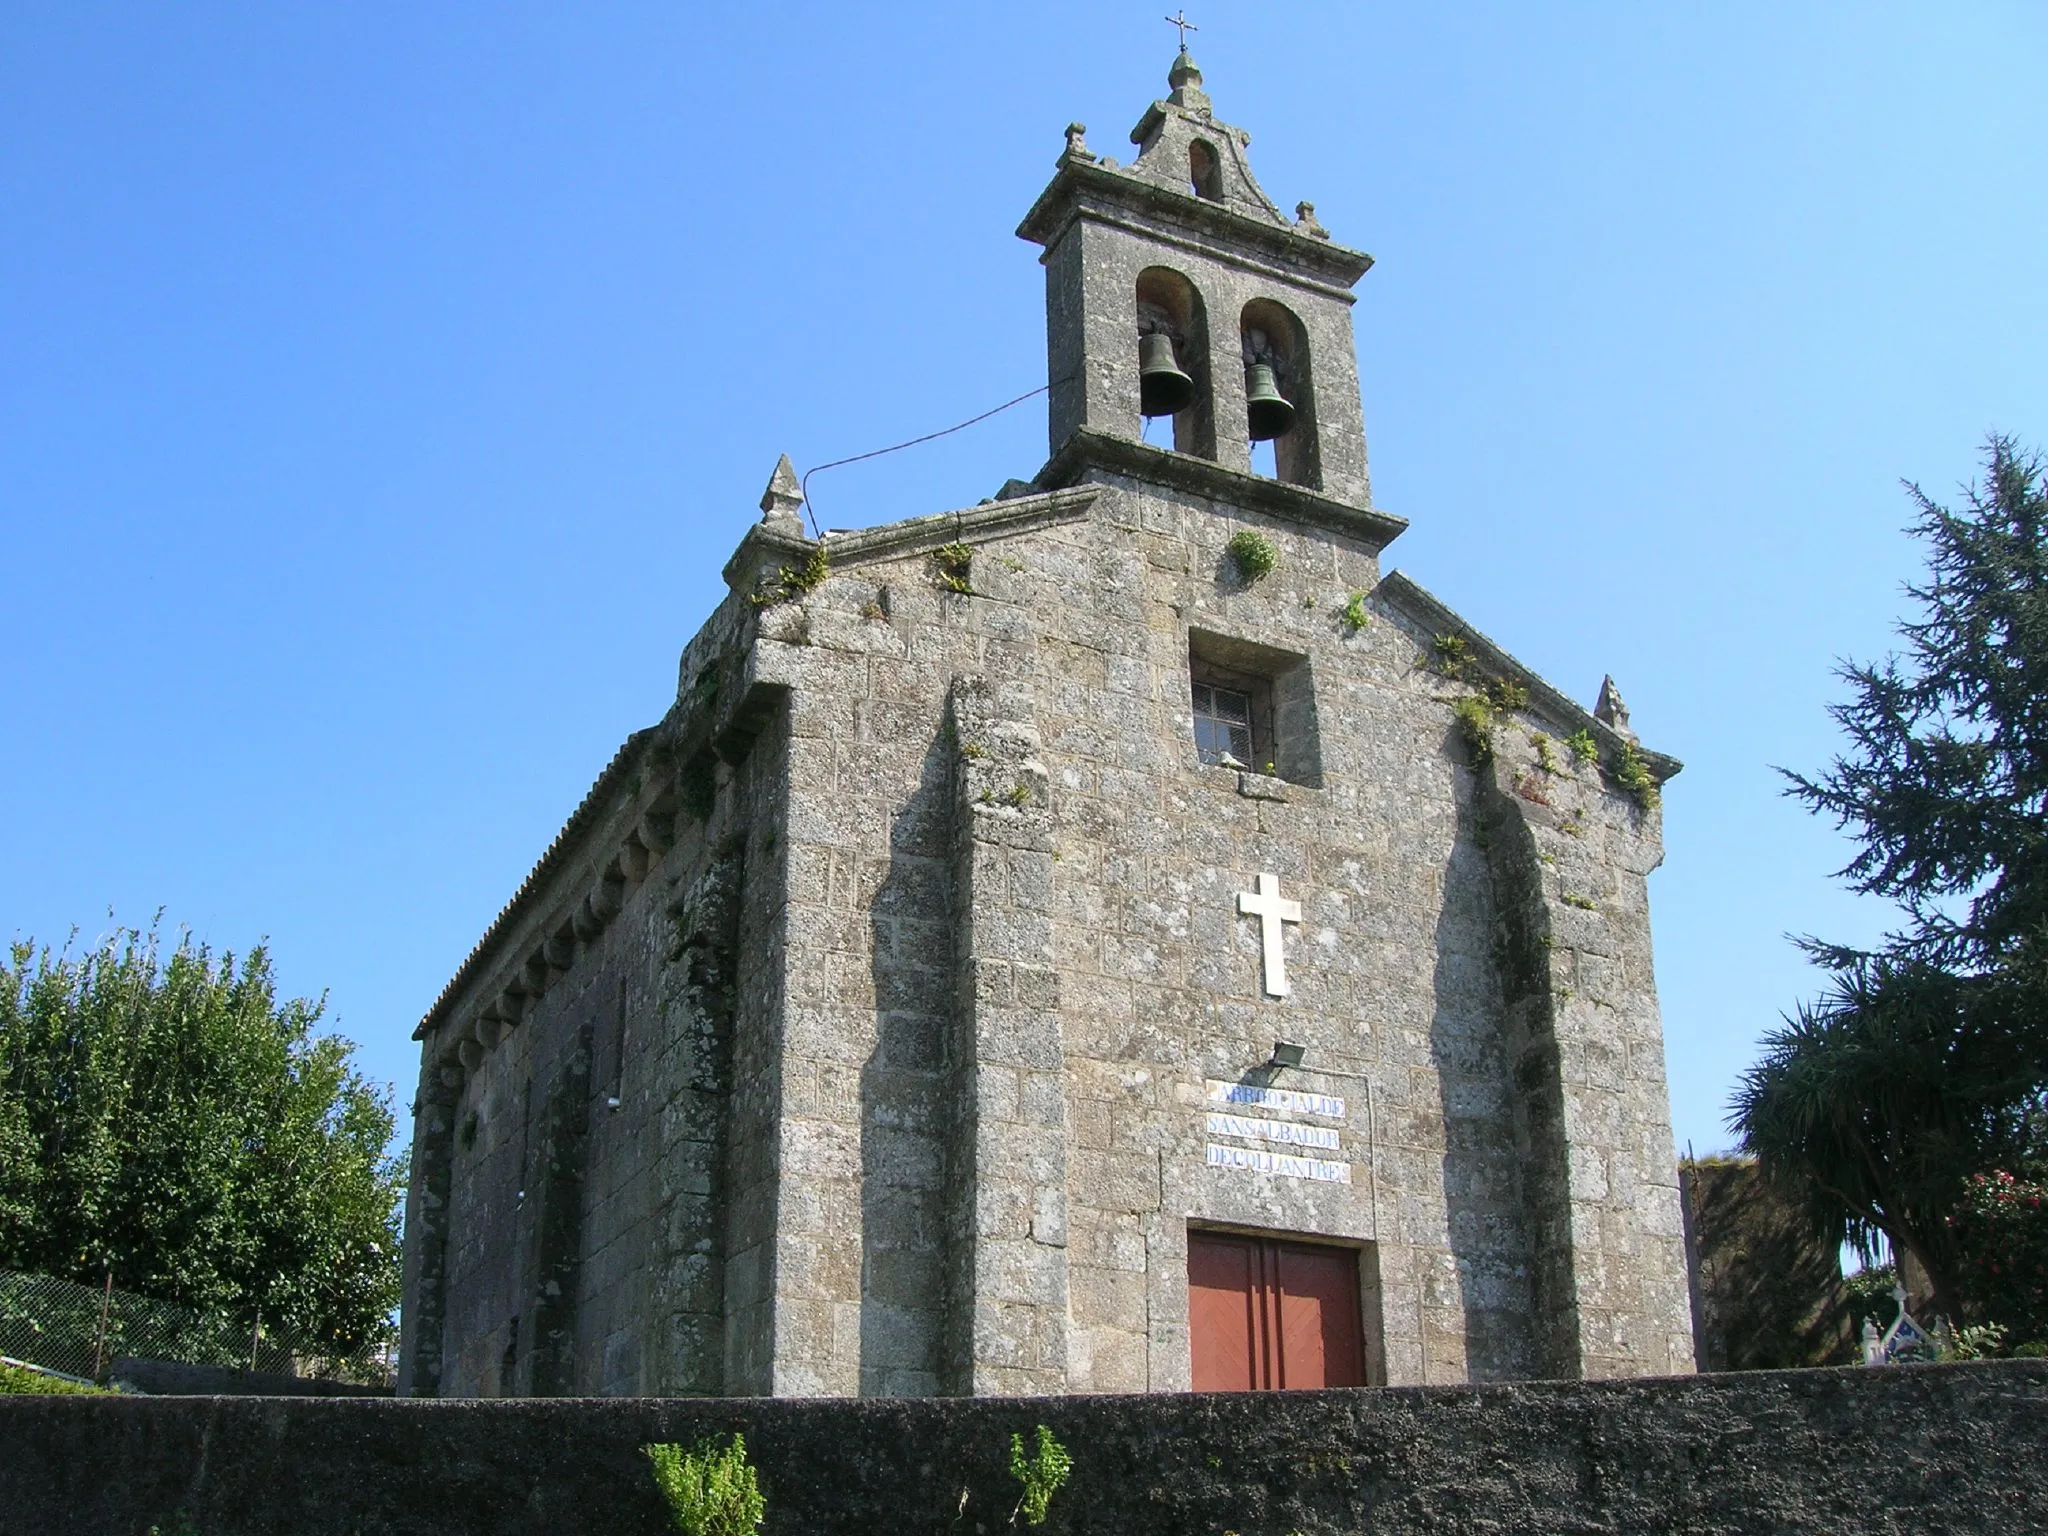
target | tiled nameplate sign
[
  {"x": 1284, "y": 1099},
  {"x": 1252, "y": 1127}
]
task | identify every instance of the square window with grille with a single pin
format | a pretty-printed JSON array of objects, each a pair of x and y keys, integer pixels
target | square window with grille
[{"x": 1223, "y": 724}]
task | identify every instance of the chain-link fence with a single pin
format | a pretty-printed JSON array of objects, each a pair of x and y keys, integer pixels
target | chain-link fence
[{"x": 79, "y": 1329}]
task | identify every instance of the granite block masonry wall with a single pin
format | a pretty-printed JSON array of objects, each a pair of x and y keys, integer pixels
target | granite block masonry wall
[
  {"x": 922, "y": 1103},
  {"x": 584, "y": 1115},
  {"x": 1851, "y": 1452},
  {"x": 1570, "y": 861},
  {"x": 1132, "y": 854},
  {"x": 1008, "y": 1171}
]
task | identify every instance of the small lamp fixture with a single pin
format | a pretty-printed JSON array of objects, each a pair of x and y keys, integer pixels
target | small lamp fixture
[{"x": 1286, "y": 1054}]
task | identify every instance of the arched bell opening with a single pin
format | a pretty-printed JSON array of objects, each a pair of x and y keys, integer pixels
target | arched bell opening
[
  {"x": 1279, "y": 391},
  {"x": 1205, "y": 171},
  {"x": 1173, "y": 360}
]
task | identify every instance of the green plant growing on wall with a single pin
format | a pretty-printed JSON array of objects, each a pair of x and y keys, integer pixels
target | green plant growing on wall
[
  {"x": 953, "y": 567},
  {"x": 1633, "y": 775},
  {"x": 710, "y": 1491},
  {"x": 1042, "y": 1474},
  {"x": 1254, "y": 555},
  {"x": 1584, "y": 748},
  {"x": 794, "y": 581},
  {"x": 1505, "y": 694},
  {"x": 1475, "y": 724},
  {"x": 1545, "y": 758},
  {"x": 1452, "y": 655},
  {"x": 1355, "y": 616}
]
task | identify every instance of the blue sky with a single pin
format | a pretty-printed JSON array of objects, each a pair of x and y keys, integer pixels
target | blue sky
[{"x": 382, "y": 387}]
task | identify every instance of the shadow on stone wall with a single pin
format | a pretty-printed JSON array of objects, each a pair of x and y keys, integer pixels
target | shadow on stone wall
[
  {"x": 1767, "y": 1289},
  {"x": 903, "y": 1090},
  {"x": 1483, "y": 1160}
]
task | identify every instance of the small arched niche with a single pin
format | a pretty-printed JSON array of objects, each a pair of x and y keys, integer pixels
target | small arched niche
[
  {"x": 1274, "y": 339},
  {"x": 1205, "y": 171},
  {"x": 1169, "y": 306}
]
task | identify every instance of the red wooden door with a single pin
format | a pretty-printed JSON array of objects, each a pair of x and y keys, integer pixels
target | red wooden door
[
  {"x": 1224, "y": 1286},
  {"x": 1265, "y": 1314}
]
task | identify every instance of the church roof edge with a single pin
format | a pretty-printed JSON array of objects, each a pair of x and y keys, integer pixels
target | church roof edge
[
  {"x": 595, "y": 799},
  {"x": 764, "y": 544},
  {"x": 990, "y": 519},
  {"x": 1432, "y": 613}
]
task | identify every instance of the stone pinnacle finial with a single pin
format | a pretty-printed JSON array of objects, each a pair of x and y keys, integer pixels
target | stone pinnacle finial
[
  {"x": 1077, "y": 146},
  {"x": 781, "y": 502},
  {"x": 1186, "y": 79},
  {"x": 1611, "y": 711}
]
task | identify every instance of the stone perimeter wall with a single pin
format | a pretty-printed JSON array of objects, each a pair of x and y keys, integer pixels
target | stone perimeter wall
[{"x": 1927, "y": 1449}]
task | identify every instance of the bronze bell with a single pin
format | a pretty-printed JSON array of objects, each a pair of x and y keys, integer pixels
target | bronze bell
[
  {"x": 1265, "y": 407},
  {"x": 1163, "y": 390}
]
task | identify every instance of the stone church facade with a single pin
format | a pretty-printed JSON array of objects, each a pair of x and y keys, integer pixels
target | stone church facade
[{"x": 1111, "y": 938}]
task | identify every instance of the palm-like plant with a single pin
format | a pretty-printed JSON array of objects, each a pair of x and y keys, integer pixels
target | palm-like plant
[{"x": 1877, "y": 1102}]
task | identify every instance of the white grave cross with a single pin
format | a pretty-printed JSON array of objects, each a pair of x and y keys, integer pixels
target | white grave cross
[{"x": 1271, "y": 909}]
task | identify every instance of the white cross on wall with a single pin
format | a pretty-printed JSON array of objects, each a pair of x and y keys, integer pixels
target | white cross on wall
[{"x": 1271, "y": 909}]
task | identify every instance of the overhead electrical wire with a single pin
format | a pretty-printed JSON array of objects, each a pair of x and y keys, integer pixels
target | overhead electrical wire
[{"x": 804, "y": 487}]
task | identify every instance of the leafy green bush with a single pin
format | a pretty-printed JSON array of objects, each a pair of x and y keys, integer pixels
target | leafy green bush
[
  {"x": 710, "y": 1492},
  {"x": 1042, "y": 1474},
  {"x": 1253, "y": 553},
  {"x": 2001, "y": 1232},
  {"x": 169, "y": 1118}
]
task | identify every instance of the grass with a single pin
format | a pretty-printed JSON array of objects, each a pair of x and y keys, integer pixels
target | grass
[{"x": 17, "y": 1381}]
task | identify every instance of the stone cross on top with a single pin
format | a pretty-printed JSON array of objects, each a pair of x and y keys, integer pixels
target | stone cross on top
[{"x": 1271, "y": 909}]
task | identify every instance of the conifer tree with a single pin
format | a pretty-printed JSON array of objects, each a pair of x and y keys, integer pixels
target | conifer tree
[{"x": 1925, "y": 1063}]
